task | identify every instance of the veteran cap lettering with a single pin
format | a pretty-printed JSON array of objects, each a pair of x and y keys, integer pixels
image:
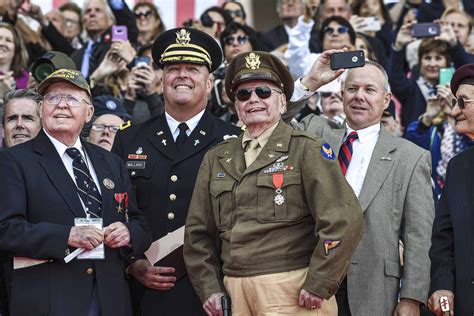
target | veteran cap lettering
[{"x": 65, "y": 75}]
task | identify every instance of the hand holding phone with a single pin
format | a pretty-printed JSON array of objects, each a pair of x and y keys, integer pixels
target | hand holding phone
[
  {"x": 421, "y": 30},
  {"x": 351, "y": 59},
  {"x": 119, "y": 33},
  {"x": 445, "y": 75}
]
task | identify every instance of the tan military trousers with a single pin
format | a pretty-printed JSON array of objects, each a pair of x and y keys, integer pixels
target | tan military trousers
[{"x": 273, "y": 294}]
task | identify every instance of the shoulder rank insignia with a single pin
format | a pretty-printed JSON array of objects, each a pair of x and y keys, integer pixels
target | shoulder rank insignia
[
  {"x": 125, "y": 125},
  {"x": 327, "y": 152},
  {"x": 330, "y": 244}
]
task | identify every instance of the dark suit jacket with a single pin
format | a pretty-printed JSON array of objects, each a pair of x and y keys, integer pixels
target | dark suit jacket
[
  {"x": 164, "y": 183},
  {"x": 452, "y": 248},
  {"x": 39, "y": 204}
]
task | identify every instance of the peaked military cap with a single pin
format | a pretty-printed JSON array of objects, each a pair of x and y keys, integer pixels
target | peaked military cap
[
  {"x": 463, "y": 75},
  {"x": 65, "y": 75},
  {"x": 257, "y": 65},
  {"x": 187, "y": 45}
]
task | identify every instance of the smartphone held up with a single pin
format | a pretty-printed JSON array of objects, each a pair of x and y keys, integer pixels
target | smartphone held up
[{"x": 350, "y": 59}]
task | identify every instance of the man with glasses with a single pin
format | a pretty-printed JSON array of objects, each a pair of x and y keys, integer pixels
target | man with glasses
[
  {"x": 392, "y": 179},
  {"x": 109, "y": 118},
  {"x": 452, "y": 243},
  {"x": 163, "y": 156},
  {"x": 68, "y": 215},
  {"x": 270, "y": 209}
]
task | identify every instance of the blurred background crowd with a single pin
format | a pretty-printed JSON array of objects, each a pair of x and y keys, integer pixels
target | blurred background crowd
[{"x": 110, "y": 42}]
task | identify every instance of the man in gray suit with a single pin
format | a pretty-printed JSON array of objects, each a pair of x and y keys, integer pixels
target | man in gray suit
[{"x": 391, "y": 178}]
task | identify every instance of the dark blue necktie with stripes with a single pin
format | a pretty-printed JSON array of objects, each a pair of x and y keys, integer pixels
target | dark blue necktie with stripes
[
  {"x": 86, "y": 187},
  {"x": 345, "y": 153}
]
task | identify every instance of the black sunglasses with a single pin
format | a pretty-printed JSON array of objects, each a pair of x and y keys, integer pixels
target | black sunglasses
[
  {"x": 241, "y": 39},
  {"x": 143, "y": 14},
  {"x": 341, "y": 30},
  {"x": 262, "y": 92},
  {"x": 461, "y": 102},
  {"x": 236, "y": 13}
]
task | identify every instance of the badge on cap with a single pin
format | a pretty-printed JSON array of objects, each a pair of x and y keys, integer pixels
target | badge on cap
[
  {"x": 108, "y": 183},
  {"x": 111, "y": 105},
  {"x": 183, "y": 37},
  {"x": 327, "y": 152},
  {"x": 252, "y": 61},
  {"x": 330, "y": 244}
]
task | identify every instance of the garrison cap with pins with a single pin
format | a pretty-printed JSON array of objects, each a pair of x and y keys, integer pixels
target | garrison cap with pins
[
  {"x": 257, "y": 65},
  {"x": 65, "y": 75},
  {"x": 187, "y": 45}
]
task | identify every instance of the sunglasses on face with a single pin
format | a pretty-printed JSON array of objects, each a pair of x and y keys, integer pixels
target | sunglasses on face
[
  {"x": 461, "y": 102},
  {"x": 241, "y": 39},
  {"x": 341, "y": 30},
  {"x": 263, "y": 92},
  {"x": 146, "y": 14},
  {"x": 236, "y": 13}
]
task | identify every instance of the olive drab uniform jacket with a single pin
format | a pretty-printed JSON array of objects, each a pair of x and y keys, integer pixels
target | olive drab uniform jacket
[{"x": 318, "y": 224}]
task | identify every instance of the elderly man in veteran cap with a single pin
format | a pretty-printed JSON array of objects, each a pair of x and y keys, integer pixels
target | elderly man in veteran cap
[
  {"x": 163, "y": 156},
  {"x": 60, "y": 194},
  {"x": 276, "y": 199},
  {"x": 452, "y": 248}
]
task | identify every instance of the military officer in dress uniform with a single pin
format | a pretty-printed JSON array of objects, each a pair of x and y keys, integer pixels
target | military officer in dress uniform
[
  {"x": 275, "y": 198},
  {"x": 163, "y": 156}
]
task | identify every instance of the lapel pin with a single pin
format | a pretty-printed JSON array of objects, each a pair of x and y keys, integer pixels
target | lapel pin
[
  {"x": 203, "y": 133},
  {"x": 163, "y": 142},
  {"x": 159, "y": 133},
  {"x": 271, "y": 155},
  {"x": 109, "y": 184},
  {"x": 386, "y": 158},
  {"x": 196, "y": 142},
  {"x": 228, "y": 160},
  {"x": 279, "y": 145}
]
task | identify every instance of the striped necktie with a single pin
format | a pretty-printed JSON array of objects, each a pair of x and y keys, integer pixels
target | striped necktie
[
  {"x": 345, "y": 153},
  {"x": 86, "y": 187}
]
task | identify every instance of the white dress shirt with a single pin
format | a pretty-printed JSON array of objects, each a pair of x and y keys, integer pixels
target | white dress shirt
[
  {"x": 362, "y": 150},
  {"x": 67, "y": 161},
  {"x": 192, "y": 123}
]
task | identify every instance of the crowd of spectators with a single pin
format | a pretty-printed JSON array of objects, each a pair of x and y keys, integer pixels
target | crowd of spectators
[{"x": 111, "y": 45}]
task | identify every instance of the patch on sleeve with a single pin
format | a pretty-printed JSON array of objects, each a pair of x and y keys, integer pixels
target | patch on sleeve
[
  {"x": 327, "y": 152},
  {"x": 330, "y": 244}
]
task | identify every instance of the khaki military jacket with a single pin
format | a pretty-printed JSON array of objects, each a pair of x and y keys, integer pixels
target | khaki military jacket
[{"x": 236, "y": 226}]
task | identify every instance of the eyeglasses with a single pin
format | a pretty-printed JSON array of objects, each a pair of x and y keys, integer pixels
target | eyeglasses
[
  {"x": 461, "y": 102},
  {"x": 102, "y": 127},
  {"x": 55, "y": 99},
  {"x": 236, "y": 13},
  {"x": 146, "y": 14},
  {"x": 341, "y": 30},
  {"x": 241, "y": 39},
  {"x": 262, "y": 92}
]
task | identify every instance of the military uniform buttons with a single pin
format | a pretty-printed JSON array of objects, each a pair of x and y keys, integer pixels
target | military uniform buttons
[
  {"x": 173, "y": 197},
  {"x": 174, "y": 178},
  {"x": 170, "y": 216},
  {"x": 133, "y": 173},
  {"x": 89, "y": 271}
]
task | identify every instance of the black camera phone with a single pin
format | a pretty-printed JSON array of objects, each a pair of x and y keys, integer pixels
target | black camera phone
[{"x": 351, "y": 59}]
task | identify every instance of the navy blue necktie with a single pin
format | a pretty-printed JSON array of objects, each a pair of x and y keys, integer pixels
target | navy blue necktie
[
  {"x": 182, "y": 137},
  {"x": 86, "y": 187}
]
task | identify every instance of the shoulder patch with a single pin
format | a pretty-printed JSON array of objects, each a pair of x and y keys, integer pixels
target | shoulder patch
[{"x": 327, "y": 152}]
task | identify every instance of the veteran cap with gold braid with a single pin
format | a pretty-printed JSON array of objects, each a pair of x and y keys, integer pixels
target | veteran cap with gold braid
[
  {"x": 187, "y": 45},
  {"x": 257, "y": 66}
]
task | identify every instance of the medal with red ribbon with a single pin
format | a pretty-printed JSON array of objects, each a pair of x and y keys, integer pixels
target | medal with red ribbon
[
  {"x": 122, "y": 198},
  {"x": 278, "y": 183}
]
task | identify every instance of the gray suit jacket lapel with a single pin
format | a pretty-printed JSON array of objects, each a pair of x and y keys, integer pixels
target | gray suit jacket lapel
[{"x": 380, "y": 165}]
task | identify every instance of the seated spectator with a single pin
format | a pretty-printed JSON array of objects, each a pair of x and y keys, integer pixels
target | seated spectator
[
  {"x": 20, "y": 116},
  {"x": 149, "y": 22},
  {"x": 143, "y": 96},
  {"x": 288, "y": 12},
  {"x": 13, "y": 60},
  {"x": 435, "y": 131},
  {"x": 376, "y": 8},
  {"x": 336, "y": 32},
  {"x": 109, "y": 115},
  {"x": 213, "y": 21},
  {"x": 433, "y": 54},
  {"x": 72, "y": 23},
  {"x": 236, "y": 10}
]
